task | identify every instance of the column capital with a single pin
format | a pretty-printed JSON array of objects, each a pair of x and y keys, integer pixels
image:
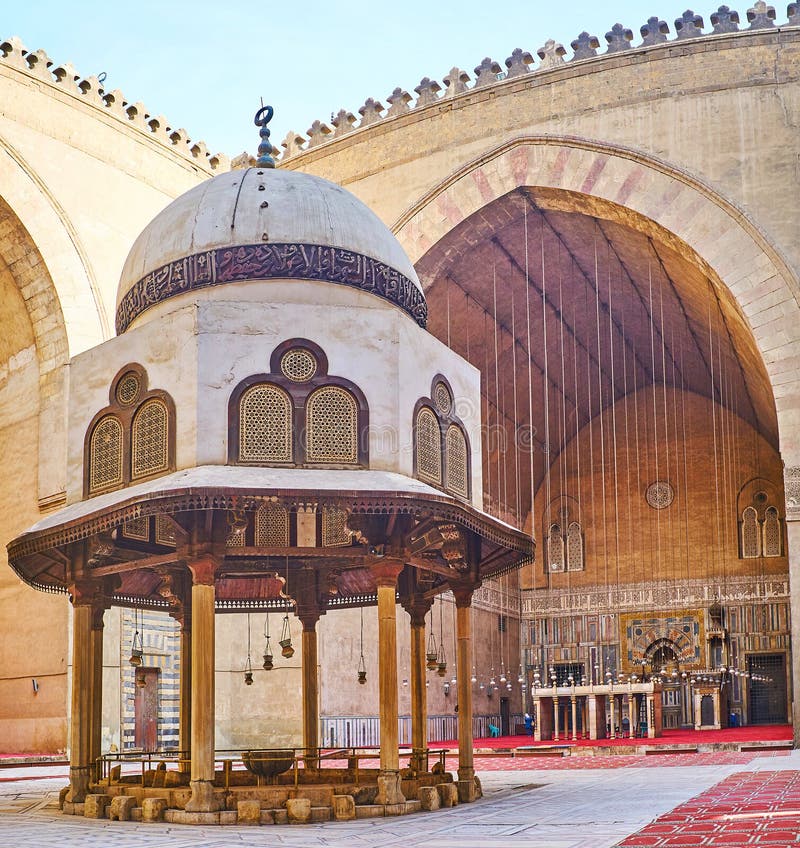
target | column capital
[
  {"x": 83, "y": 593},
  {"x": 98, "y": 611},
  {"x": 417, "y": 606},
  {"x": 203, "y": 569},
  {"x": 463, "y": 594},
  {"x": 309, "y": 616},
  {"x": 386, "y": 572},
  {"x": 183, "y": 615}
]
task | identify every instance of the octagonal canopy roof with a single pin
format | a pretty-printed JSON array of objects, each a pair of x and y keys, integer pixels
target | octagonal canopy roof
[{"x": 441, "y": 541}]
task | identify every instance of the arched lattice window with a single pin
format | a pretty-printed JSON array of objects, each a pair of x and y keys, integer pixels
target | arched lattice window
[
  {"x": 332, "y": 426},
  {"x": 772, "y": 533},
  {"x": 751, "y": 536},
  {"x": 150, "y": 439},
  {"x": 105, "y": 454},
  {"x": 555, "y": 548},
  {"x": 272, "y": 526},
  {"x": 428, "y": 439},
  {"x": 574, "y": 547},
  {"x": 265, "y": 425},
  {"x": 334, "y": 527},
  {"x": 456, "y": 465}
]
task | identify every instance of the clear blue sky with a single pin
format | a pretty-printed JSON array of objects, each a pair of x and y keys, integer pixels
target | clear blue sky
[{"x": 204, "y": 65}]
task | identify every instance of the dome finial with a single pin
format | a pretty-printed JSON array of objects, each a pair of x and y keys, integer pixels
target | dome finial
[{"x": 265, "y": 149}]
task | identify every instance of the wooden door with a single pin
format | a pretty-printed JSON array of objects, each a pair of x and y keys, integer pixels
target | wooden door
[
  {"x": 145, "y": 709},
  {"x": 505, "y": 717}
]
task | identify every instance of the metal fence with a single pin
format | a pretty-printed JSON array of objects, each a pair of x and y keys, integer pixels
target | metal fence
[{"x": 361, "y": 731}]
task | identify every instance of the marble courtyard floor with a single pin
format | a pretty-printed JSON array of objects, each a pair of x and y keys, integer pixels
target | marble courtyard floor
[{"x": 715, "y": 799}]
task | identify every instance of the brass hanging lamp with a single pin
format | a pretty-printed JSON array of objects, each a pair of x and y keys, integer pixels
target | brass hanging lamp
[
  {"x": 268, "y": 664},
  {"x": 441, "y": 659},
  {"x": 362, "y": 668},
  {"x": 248, "y": 666},
  {"x": 286, "y": 638},
  {"x": 285, "y": 641},
  {"x": 433, "y": 652},
  {"x": 137, "y": 649}
]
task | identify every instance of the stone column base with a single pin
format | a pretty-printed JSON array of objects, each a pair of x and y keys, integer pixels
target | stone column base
[
  {"x": 467, "y": 791},
  {"x": 203, "y": 799},
  {"x": 469, "y": 786},
  {"x": 389, "y": 788},
  {"x": 78, "y": 784}
]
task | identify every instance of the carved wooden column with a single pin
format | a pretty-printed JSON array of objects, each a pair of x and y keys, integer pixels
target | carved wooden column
[
  {"x": 309, "y": 618},
  {"x": 96, "y": 736},
  {"x": 389, "y": 786},
  {"x": 81, "y": 719},
  {"x": 417, "y": 608},
  {"x": 185, "y": 689},
  {"x": 466, "y": 764},
  {"x": 203, "y": 799}
]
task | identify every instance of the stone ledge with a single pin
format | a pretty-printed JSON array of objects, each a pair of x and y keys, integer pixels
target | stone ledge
[
  {"x": 182, "y": 817},
  {"x": 72, "y": 809},
  {"x": 369, "y": 811}
]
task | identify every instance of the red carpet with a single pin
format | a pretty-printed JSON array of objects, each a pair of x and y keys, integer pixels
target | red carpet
[
  {"x": 748, "y": 808},
  {"x": 729, "y": 736}
]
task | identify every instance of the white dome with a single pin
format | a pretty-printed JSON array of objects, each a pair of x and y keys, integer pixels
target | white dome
[{"x": 262, "y": 224}]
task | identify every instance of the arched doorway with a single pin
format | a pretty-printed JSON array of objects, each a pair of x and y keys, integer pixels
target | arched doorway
[{"x": 663, "y": 659}]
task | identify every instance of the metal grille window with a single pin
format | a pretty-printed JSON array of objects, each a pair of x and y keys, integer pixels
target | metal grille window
[
  {"x": 299, "y": 365},
  {"x": 334, "y": 527},
  {"x": 165, "y": 531},
  {"x": 429, "y": 447},
  {"x": 236, "y": 538},
  {"x": 332, "y": 426},
  {"x": 105, "y": 454},
  {"x": 772, "y": 533},
  {"x": 149, "y": 439},
  {"x": 128, "y": 389},
  {"x": 265, "y": 425},
  {"x": 751, "y": 537},
  {"x": 555, "y": 548},
  {"x": 442, "y": 398},
  {"x": 137, "y": 528},
  {"x": 567, "y": 673},
  {"x": 457, "y": 478},
  {"x": 272, "y": 526},
  {"x": 574, "y": 547}
]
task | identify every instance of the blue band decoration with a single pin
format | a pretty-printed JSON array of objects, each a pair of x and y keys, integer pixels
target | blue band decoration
[{"x": 272, "y": 261}]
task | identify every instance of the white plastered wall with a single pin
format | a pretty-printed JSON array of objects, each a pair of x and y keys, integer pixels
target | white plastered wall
[{"x": 199, "y": 348}]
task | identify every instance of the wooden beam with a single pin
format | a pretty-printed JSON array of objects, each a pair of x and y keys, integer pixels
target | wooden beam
[
  {"x": 251, "y": 552},
  {"x": 136, "y": 565}
]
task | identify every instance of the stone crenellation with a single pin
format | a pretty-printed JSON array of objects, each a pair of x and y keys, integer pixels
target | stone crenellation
[
  {"x": 585, "y": 48},
  {"x": 89, "y": 90}
]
